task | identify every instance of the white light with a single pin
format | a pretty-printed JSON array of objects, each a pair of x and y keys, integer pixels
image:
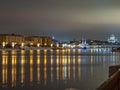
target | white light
[
  {"x": 22, "y": 44},
  {"x": 51, "y": 45},
  {"x": 3, "y": 44},
  {"x": 57, "y": 45},
  {"x": 13, "y": 44},
  {"x": 38, "y": 44}
]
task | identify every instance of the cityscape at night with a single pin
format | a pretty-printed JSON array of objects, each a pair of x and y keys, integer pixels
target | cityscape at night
[{"x": 60, "y": 45}]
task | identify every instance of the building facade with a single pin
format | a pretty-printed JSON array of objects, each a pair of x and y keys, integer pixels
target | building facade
[
  {"x": 11, "y": 40},
  {"x": 112, "y": 39},
  {"x": 39, "y": 41}
]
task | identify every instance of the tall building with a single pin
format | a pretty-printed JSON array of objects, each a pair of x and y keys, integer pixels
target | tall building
[{"x": 112, "y": 39}]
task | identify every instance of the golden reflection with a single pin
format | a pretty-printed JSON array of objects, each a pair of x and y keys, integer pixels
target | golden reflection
[
  {"x": 45, "y": 69},
  {"x": 22, "y": 68},
  {"x": 74, "y": 71},
  {"x": 38, "y": 68},
  {"x": 4, "y": 70},
  {"x": 31, "y": 68},
  {"x": 51, "y": 68},
  {"x": 38, "y": 52},
  {"x": 51, "y": 51},
  {"x": 79, "y": 51},
  {"x": 57, "y": 51},
  {"x": 68, "y": 72},
  {"x": 73, "y": 51},
  {"x": 68, "y": 67},
  {"x": 14, "y": 52},
  {"x": 91, "y": 60},
  {"x": 74, "y": 60},
  {"x": 31, "y": 51},
  {"x": 14, "y": 60},
  {"x": 45, "y": 52},
  {"x": 45, "y": 75},
  {"x": 63, "y": 52},
  {"x": 64, "y": 67},
  {"x": 79, "y": 67},
  {"x": 57, "y": 68},
  {"x": 22, "y": 52},
  {"x": 68, "y": 51},
  {"x": 4, "y": 52}
]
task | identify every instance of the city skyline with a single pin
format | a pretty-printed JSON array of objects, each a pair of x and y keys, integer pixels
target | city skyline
[{"x": 63, "y": 19}]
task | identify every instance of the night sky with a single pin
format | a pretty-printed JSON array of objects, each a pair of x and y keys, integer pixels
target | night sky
[{"x": 63, "y": 19}]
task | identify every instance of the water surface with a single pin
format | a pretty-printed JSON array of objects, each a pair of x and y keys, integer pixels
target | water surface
[{"x": 55, "y": 69}]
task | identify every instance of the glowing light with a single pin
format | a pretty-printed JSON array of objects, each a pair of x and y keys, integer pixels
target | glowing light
[
  {"x": 3, "y": 44},
  {"x": 13, "y": 44},
  {"x": 51, "y": 45},
  {"x": 38, "y": 45}
]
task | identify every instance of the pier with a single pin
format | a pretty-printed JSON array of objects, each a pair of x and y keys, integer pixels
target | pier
[{"x": 113, "y": 82}]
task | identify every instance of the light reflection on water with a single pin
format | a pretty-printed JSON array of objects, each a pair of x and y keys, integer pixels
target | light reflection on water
[{"x": 55, "y": 69}]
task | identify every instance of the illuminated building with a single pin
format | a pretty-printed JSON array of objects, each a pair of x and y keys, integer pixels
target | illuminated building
[
  {"x": 11, "y": 40},
  {"x": 112, "y": 39},
  {"x": 39, "y": 41}
]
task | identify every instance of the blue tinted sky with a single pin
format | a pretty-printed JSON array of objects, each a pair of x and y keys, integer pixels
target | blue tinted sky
[{"x": 64, "y": 19}]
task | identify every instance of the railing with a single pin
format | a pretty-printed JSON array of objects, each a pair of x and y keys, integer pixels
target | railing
[{"x": 113, "y": 82}]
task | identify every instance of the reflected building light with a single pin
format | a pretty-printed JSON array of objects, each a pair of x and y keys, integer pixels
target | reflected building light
[
  {"x": 74, "y": 71},
  {"x": 38, "y": 68},
  {"x": 45, "y": 69},
  {"x": 14, "y": 59},
  {"x": 57, "y": 68},
  {"x": 57, "y": 51},
  {"x": 51, "y": 68},
  {"x": 73, "y": 51},
  {"x": 74, "y": 60},
  {"x": 45, "y": 60},
  {"x": 22, "y": 52},
  {"x": 79, "y": 60},
  {"x": 65, "y": 71},
  {"x": 63, "y": 51},
  {"x": 62, "y": 60},
  {"x": 79, "y": 51},
  {"x": 69, "y": 60},
  {"x": 14, "y": 52},
  {"x": 45, "y": 75},
  {"x": 38, "y": 52},
  {"x": 57, "y": 60},
  {"x": 31, "y": 69},
  {"x": 51, "y": 52},
  {"x": 31, "y": 51},
  {"x": 4, "y": 52},
  {"x": 31, "y": 59},
  {"x": 91, "y": 60},
  {"x": 22, "y": 69},
  {"x": 79, "y": 67},
  {"x": 68, "y": 51},
  {"x": 68, "y": 71},
  {"x": 4, "y": 70},
  {"x": 45, "y": 52},
  {"x": 31, "y": 74}
]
